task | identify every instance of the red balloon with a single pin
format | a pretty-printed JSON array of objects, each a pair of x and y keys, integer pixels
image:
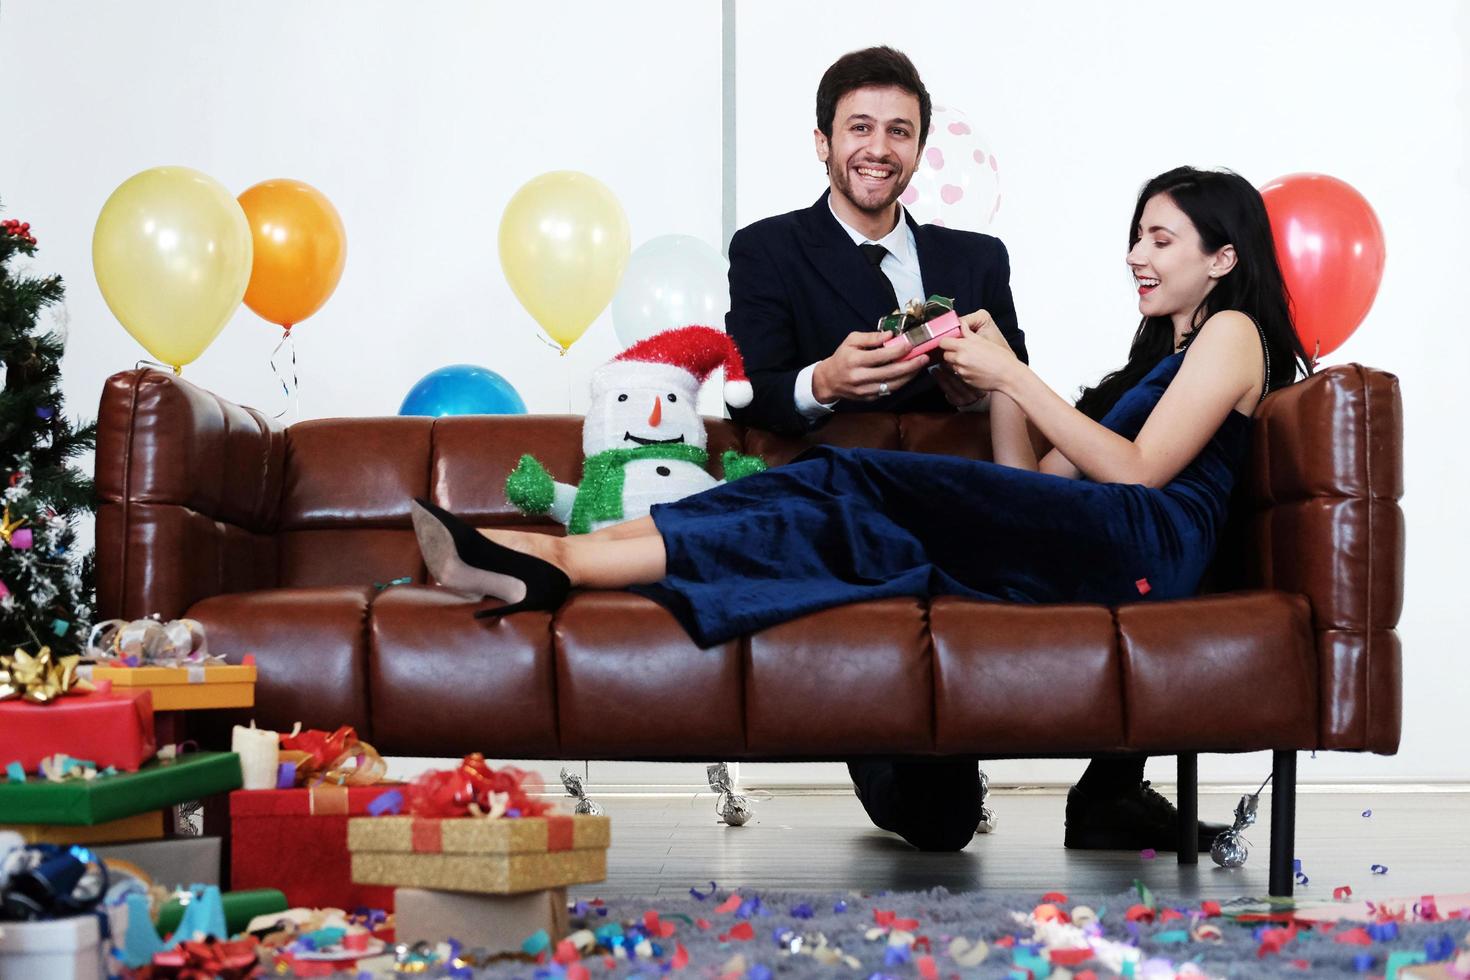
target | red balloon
[{"x": 1330, "y": 246}]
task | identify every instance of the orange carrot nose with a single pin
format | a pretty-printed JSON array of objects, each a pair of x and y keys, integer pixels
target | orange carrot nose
[{"x": 657, "y": 415}]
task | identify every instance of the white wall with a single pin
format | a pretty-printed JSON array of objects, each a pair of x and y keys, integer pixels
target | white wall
[{"x": 420, "y": 121}]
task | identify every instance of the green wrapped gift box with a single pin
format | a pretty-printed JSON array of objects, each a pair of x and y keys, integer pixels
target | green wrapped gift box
[{"x": 154, "y": 786}]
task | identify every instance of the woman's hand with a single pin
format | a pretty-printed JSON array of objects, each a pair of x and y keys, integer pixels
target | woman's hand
[{"x": 980, "y": 358}]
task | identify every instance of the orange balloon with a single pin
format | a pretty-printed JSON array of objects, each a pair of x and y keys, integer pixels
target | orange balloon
[{"x": 300, "y": 249}]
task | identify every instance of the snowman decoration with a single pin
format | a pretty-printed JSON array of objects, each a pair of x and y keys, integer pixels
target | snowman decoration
[{"x": 643, "y": 438}]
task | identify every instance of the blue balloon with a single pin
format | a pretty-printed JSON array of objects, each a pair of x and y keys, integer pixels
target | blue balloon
[{"x": 462, "y": 389}]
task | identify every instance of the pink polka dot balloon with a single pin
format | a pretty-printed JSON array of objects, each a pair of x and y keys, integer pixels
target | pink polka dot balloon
[{"x": 957, "y": 184}]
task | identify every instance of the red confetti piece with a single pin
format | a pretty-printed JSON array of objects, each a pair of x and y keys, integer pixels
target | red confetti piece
[
  {"x": 927, "y": 969},
  {"x": 1085, "y": 975},
  {"x": 728, "y": 905},
  {"x": 662, "y": 930},
  {"x": 741, "y": 932},
  {"x": 1168, "y": 915},
  {"x": 681, "y": 956},
  {"x": 1272, "y": 940},
  {"x": 1143, "y": 587},
  {"x": 1046, "y": 913},
  {"x": 1210, "y": 908},
  {"x": 702, "y": 924},
  {"x": 883, "y": 917},
  {"x": 1005, "y": 942},
  {"x": 578, "y": 972},
  {"x": 609, "y": 962},
  {"x": 1342, "y": 892},
  {"x": 1355, "y": 937},
  {"x": 1301, "y": 964},
  {"x": 1140, "y": 913},
  {"x": 566, "y": 952},
  {"x": 1056, "y": 897},
  {"x": 1070, "y": 957},
  {"x": 922, "y": 942},
  {"x": 248, "y": 660}
]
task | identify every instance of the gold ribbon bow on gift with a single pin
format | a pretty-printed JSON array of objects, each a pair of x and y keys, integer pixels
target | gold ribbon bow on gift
[
  {"x": 39, "y": 679},
  {"x": 9, "y": 527}
]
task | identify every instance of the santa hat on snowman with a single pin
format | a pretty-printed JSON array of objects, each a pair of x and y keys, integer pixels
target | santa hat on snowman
[{"x": 679, "y": 360}]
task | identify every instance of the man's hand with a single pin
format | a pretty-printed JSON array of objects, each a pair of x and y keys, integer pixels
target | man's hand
[
  {"x": 956, "y": 392},
  {"x": 862, "y": 369}
]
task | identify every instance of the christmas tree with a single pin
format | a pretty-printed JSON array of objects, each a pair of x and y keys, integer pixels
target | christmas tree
[{"x": 46, "y": 587}]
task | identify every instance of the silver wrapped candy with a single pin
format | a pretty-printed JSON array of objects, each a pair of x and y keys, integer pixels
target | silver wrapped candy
[
  {"x": 733, "y": 808},
  {"x": 987, "y": 815},
  {"x": 573, "y": 784},
  {"x": 1230, "y": 848}
]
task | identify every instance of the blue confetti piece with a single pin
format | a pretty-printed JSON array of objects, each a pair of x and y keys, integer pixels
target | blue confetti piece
[
  {"x": 389, "y": 802},
  {"x": 699, "y": 896},
  {"x": 513, "y": 812},
  {"x": 896, "y": 956},
  {"x": 15, "y": 773},
  {"x": 580, "y": 908},
  {"x": 1379, "y": 869},
  {"x": 759, "y": 972},
  {"x": 1296, "y": 865},
  {"x": 1367, "y": 813},
  {"x": 1383, "y": 932},
  {"x": 802, "y": 911},
  {"x": 1363, "y": 962},
  {"x": 840, "y": 907},
  {"x": 602, "y": 912},
  {"x": 1441, "y": 947}
]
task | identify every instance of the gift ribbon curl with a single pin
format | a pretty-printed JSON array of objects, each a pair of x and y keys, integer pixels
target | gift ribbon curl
[
  {"x": 339, "y": 758},
  {"x": 233, "y": 959},
  {"x": 40, "y": 679},
  {"x": 476, "y": 789},
  {"x": 151, "y": 643}
]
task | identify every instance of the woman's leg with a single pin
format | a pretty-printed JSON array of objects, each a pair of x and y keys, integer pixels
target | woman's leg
[
  {"x": 593, "y": 562},
  {"x": 641, "y": 527}
]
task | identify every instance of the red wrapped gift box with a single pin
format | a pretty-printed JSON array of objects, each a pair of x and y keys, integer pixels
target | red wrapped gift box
[
  {"x": 109, "y": 729},
  {"x": 296, "y": 840}
]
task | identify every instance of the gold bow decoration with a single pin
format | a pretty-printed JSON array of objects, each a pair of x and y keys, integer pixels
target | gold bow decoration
[
  {"x": 40, "y": 679},
  {"x": 9, "y": 527}
]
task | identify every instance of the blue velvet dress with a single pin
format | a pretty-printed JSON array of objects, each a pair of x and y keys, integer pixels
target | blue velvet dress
[{"x": 846, "y": 525}]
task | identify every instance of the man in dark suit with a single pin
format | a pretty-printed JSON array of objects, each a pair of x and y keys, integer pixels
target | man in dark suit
[
  {"x": 806, "y": 292},
  {"x": 807, "y": 288}
]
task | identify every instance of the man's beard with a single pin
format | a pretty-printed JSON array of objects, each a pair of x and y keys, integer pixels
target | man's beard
[{"x": 865, "y": 203}]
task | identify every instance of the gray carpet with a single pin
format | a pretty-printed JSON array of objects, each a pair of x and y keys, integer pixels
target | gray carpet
[{"x": 827, "y": 922}]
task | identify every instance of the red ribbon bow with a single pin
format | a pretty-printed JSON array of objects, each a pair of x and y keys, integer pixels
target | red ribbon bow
[
  {"x": 469, "y": 789},
  {"x": 228, "y": 960}
]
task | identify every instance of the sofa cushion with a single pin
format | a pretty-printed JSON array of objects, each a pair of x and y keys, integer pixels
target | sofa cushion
[
  {"x": 630, "y": 683},
  {"x": 1029, "y": 680},
  {"x": 442, "y": 683},
  {"x": 309, "y": 649},
  {"x": 1227, "y": 673}
]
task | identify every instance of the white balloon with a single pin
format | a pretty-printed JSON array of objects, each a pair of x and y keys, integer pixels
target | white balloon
[
  {"x": 671, "y": 281},
  {"x": 957, "y": 184}
]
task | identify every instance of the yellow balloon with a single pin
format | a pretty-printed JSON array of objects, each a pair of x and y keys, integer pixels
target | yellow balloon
[
  {"x": 563, "y": 245},
  {"x": 172, "y": 253}
]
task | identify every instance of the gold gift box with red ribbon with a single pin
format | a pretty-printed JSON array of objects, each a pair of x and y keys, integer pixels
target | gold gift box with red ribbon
[{"x": 500, "y": 856}]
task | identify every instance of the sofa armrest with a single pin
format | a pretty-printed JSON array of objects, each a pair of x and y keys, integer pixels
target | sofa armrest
[
  {"x": 189, "y": 488},
  {"x": 1326, "y": 480}
]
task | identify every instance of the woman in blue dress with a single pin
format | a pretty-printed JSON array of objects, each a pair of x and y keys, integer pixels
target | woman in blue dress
[{"x": 1126, "y": 507}]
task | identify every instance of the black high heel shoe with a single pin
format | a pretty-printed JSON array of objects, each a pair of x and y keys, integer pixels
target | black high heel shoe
[{"x": 465, "y": 560}]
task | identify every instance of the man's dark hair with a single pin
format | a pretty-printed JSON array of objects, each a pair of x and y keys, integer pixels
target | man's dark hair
[{"x": 870, "y": 66}]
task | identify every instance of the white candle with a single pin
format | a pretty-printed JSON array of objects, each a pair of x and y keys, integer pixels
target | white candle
[{"x": 259, "y": 752}]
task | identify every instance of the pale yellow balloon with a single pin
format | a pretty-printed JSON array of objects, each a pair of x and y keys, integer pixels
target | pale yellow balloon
[
  {"x": 172, "y": 253},
  {"x": 563, "y": 245}
]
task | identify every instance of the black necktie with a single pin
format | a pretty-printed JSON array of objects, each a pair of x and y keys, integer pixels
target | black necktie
[{"x": 874, "y": 254}]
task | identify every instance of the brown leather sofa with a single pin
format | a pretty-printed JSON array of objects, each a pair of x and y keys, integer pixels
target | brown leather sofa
[{"x": 283, "y": 542}]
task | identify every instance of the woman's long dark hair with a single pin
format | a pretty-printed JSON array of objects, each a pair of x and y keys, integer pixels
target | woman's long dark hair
[{"x": 1225, "y": 210}]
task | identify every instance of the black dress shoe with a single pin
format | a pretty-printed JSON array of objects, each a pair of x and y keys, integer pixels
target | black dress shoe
[
  {"x": 1132, "y": 820},
  {"x": 463, "y": 559}
]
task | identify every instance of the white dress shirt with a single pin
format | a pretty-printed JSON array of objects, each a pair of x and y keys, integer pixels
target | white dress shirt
[{"x": 900, "y": 265}]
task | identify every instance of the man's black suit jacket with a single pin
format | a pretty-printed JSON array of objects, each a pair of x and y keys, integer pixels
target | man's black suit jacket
[{"x": 799, "y": 286}]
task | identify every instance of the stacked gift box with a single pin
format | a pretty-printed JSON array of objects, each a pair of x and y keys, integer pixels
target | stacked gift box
[{"x": 478, "y": 856}]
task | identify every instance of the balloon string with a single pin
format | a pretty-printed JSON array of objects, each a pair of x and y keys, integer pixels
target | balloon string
[
  {"x": 556, "y": 347},
  {"x": 175, "y": 368},
  {"x": 292, "y": 390}
]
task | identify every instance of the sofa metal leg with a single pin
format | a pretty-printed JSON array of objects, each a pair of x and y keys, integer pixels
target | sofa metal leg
[
  {"x": 1188, "y": 808},
  {"x": 1283, "y": 821}
]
